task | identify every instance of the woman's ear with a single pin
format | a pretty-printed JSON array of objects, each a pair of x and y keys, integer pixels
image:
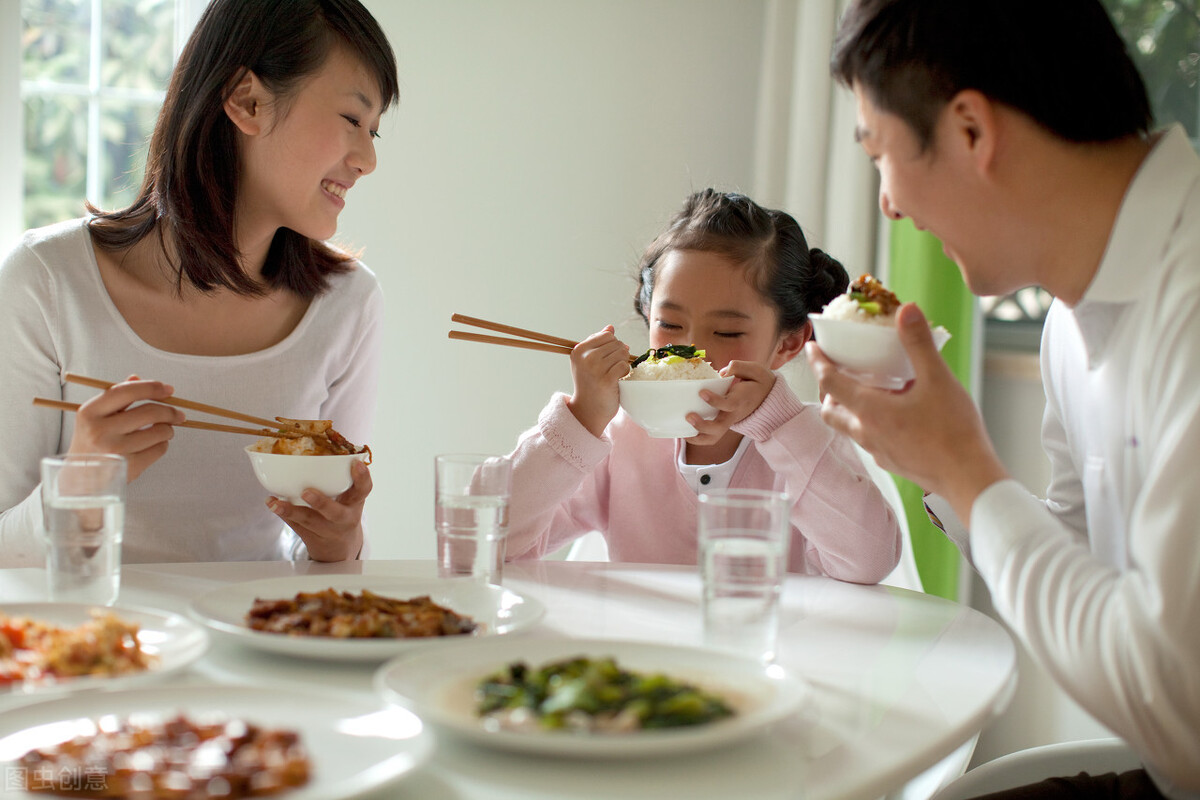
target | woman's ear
[
  {"x": 790, "y": 345},
  {"x": 246, "y": 104}
]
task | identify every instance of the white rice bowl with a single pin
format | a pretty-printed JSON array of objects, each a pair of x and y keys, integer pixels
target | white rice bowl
[
  {"x": 866, "y": 349},
  {"x": 287, "y": 476},
  {"x": 661, "y": 404}
]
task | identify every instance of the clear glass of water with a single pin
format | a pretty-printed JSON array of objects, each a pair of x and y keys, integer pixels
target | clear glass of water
[
  {"x": 743, "y": 542},
  {"x": 83, "y": 512},
  {"x": 471, "y": 493}
]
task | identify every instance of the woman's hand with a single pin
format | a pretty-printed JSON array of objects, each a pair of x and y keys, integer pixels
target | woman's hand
[
  {"x": 331, "y": 527},
  {"x": 125, "y": 420},
  {"x": 597, "y": 363},
  {"x": 752, "y": 382}
]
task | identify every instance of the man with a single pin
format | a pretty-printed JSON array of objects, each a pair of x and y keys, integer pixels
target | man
[{"x": 1017, "y": 132}]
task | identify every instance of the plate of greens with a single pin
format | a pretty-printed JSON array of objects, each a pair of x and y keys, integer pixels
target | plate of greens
[{"x": 592, "y": 698}]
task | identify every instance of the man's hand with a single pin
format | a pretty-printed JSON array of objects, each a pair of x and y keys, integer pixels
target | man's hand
[{"x": 930, "y": 432}]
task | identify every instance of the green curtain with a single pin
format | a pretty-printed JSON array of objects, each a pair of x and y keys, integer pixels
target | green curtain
[{"x": 918, "y": 271}]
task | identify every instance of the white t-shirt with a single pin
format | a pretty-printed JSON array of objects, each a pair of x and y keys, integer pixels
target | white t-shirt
[
  {"x": 201, "y": 501},
  {"x": 1102, "y": 581}
]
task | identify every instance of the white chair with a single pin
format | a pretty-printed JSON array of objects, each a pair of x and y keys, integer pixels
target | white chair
[
  {"x": 905, "y": 575},
  {"x": 592, "y": 546},
  {"x": 1094, "y": 756}
]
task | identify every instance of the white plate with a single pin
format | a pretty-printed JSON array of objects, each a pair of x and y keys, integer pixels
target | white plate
[
  {"x": 439, "y": 687},
  {"x": 497, "y": 610},
  {"x": 354, "y": 745},
  {"x": 174, "y": 639}
]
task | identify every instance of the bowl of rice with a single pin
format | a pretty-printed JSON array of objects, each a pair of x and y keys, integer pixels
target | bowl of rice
[
  {"x": 661, "y": 390},
  {"x": 319, "y": 460},
  {"x": 857, "y": 331}
]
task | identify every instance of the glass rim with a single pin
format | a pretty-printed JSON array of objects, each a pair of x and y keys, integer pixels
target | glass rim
[
  {"x": 85, "y": 458},
  {"x": 742, "y": 497}
]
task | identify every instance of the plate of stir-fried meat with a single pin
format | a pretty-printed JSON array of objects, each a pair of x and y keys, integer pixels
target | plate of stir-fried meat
[{"x": 362, "y": 617}]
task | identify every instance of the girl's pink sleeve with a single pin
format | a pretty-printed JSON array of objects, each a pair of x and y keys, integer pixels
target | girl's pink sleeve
[
  {"x": 851, "y": 532},
  {"x": 560, "y": 484}
]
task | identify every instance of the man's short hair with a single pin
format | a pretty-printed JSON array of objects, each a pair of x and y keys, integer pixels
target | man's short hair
[{"x": 1061, "y": 62}]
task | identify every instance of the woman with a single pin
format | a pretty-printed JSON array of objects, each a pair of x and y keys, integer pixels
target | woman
[{"x": 217, "y": 283}]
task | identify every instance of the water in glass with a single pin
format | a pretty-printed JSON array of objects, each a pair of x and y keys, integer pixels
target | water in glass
[
  {"x": 83, "y": 536},
  {"x": 742, "y": 580},
  {"x": 471, "y": 531}
]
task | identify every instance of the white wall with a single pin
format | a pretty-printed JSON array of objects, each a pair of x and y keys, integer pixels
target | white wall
[{"x": 537, "y": 148}]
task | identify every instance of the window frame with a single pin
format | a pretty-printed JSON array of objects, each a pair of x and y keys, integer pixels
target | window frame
[{"x": 187, "y": 14}]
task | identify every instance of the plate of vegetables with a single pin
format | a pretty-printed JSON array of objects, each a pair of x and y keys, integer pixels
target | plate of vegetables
[{"x": 592, "y": 698}]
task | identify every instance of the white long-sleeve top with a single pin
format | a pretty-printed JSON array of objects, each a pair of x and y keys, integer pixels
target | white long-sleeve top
[
  {"x": 1102, "y": 580},
  {"x": 201, "y": 501}
]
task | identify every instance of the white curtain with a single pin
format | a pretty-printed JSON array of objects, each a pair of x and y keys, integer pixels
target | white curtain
[{"x": 806, "y": 159}]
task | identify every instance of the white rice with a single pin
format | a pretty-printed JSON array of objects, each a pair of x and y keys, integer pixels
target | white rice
[
  {"x": 845, "y": 308},
  {"x": 693, "y": 369},
  {"x": 301, "y": 446}
]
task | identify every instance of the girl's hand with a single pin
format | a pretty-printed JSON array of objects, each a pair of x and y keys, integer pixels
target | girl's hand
[
  {"x": 752, "y": 382},
  {"x": 597, "y": 363},
  {"x": 125, "y": 421},
  {"x": 332, "y": 527}
]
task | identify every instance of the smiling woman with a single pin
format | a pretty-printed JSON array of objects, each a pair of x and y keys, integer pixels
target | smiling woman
[{"x": 217, "y": 276}]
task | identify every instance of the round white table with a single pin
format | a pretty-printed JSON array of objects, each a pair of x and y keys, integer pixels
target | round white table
[{"x": 900, "y": 679}]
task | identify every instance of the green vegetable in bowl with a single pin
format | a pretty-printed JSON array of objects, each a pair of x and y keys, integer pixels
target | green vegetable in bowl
[
  {"x": 871, "y": 307},
  {"x": 596, "y": 694},
  {"x": 672, "y": 352}
]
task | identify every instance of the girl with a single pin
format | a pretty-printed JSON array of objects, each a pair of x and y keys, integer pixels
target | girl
[
  {"x": 217, "y": 282},
  {"x": 738, "y": 281}
]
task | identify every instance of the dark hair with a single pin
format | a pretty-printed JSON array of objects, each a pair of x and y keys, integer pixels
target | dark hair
[
  {"x": 1061, "y": 62},
  {"x": 191, "y": 184},
  {"x": 769, "y": 244}
]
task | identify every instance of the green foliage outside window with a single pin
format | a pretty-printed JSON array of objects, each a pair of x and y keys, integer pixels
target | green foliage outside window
[
  {"x": 1164, "y": 39},
  {"x": 90, "y": 111}
]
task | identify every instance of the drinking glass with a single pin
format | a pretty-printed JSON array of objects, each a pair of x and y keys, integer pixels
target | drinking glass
[
  {"x": 743, "y": 541},
  {"x": 83, "y": 518},
  {"x": 471, "y": 494}
]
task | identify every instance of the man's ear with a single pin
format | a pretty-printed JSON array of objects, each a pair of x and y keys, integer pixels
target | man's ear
[
  {"x": 246, "y": 103},
  {"x": 973, "y": 121},
  {"x": 790, "y": 345}
]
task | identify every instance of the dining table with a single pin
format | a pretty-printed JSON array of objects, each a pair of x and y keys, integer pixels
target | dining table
[{"x": 895, "y": 680}]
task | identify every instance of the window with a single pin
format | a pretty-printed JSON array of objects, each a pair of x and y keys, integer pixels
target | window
[
  {"x": 92, "y": 78},
  {"x": 1163, "y": 37}
]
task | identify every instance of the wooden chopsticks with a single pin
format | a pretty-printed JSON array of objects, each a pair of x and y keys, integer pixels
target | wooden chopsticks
[
  {"x": 540, "y": 341},
  {"x": 270, "y": 427},
  {"x": 96, "y": 383},
  {"x": 204, "y": 426}
]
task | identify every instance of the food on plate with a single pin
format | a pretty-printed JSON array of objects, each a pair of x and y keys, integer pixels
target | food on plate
[
  {"x": 148, "y": 757},
  {"x": 592, "y": 695},
  {"x": 345, "y": 615},
  {"x": 671, "y": 363},
  {"x": 865, "y": 301},
  {"x": 311, "y": 437},
  {"x": 35, "y": 652}
]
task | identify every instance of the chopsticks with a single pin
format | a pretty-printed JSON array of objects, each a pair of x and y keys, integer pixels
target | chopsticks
[
  {"x": 270, "y": 427},
  {"x": 204, "y": 426},
  {"x": 540, "y": 341},
  {"x": 96, "y": 383}
]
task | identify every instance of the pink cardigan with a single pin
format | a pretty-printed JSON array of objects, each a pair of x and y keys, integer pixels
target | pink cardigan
[{"x": 567, "y": 482}]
